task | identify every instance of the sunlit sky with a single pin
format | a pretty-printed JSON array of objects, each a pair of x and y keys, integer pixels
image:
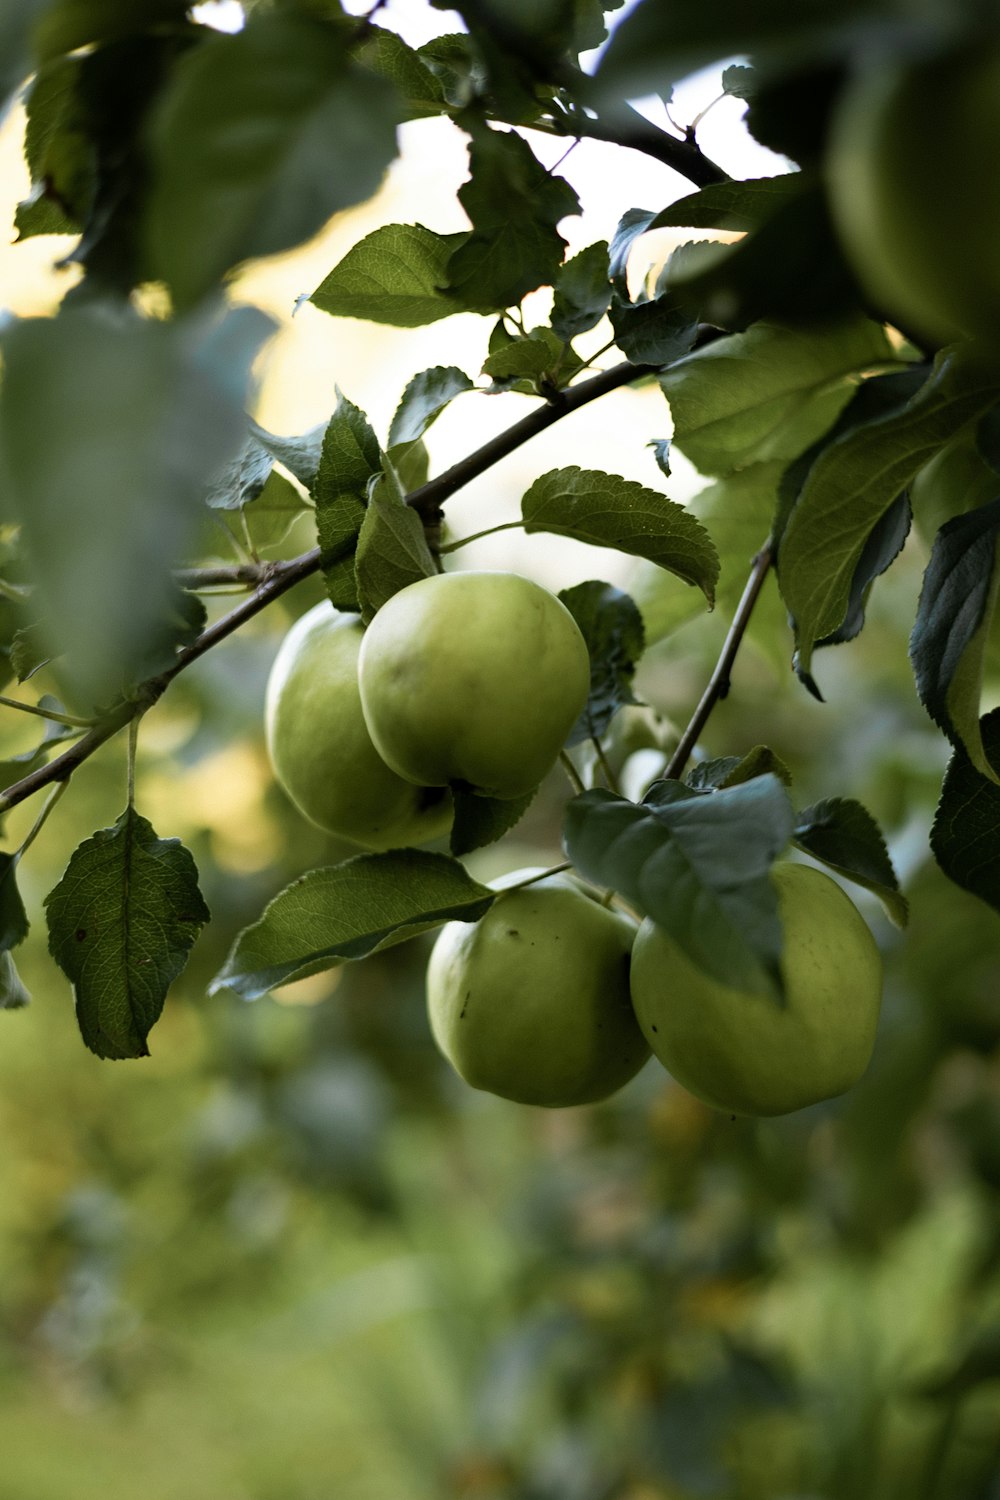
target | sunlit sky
[{"x": 312, "y": 355}]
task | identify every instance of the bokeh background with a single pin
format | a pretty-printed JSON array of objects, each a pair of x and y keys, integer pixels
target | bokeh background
[{"x": 290, "y": 1256}]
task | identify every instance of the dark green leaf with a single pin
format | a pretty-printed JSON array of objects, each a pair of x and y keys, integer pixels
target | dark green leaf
[
  {"x": 59, "y": 153},
  {"x": 350, "y": 459},
  {"x": 612, "y": 627},
  {"x": 347, "y": 911},
  {"x": 121, "y": 923},
  {"x": 276, "y": 509},
  {"x": 13, "y": 995},
  {"x": 733, "y": 770},
  {"x": 738, "y": 82},
  {"x": 419, "y": 89},
  {"x": 633, "y": 223},
  {"x": 525, "y": 359},
  {"x": 394, "y": 275},
  {"x": 730, "y": 205},
  {"x": 609, "y": 511},
  {"x": 425, "y": 397},
  {"x": 697, "y": 864},
  {"x": 514, "y": 205},
  {"x": 13, "y": 917},
  {"x": 109, "y": 428},
  {"x": 582, "y": 292},
  {"x": 300, "y": 455},
  {"x": 260, "y": 138},
  {"x": 70, "y": 24},
  {"x": 767, "y": 393},
  {"x": 856, "y": 479},
  {"x": 845, "y": 836},
  {"x": 653, "y": 332},
  {"x": 29, "y": 651},
  {"x": 881, "y": 550},
  {"x": 978, "y": 1364},
  {"x": 242, "y": 479},
  {"x": 952, "y": 627},
  {"x": 482, "y": 820},
  {"x": 392, "y": 547}
]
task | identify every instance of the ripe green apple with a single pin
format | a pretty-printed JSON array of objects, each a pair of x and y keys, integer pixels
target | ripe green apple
[
  {"x": 475, "y": 678},
  {"x": 751, "y": 1054},
  {"x": 915, "y": 192},
  {"x": 532, "y": 1001},
  {"x": 321, "y": 751}
]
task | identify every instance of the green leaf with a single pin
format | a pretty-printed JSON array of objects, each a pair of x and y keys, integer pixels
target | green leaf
[
  {"x": 739, "y": 82},
  {"x": 885, "y": 542},
  {"x": 13, "y": 995},
  {"x": 59, "y": 153},
  {"x": 697, "y": 864},
  {"x": 612, "y": 627},
  {"x": 274, "y": 512},
  {"x": 582, "y": 292},
  {"x": 483, "y": 820},
  {"x": 524, "y": 359},
  {"x": 856, "y": 479},
  {"x": 608, "y": 511},
  {"x": 843, "y": 834},
  {"x": 767, "y": 393},
  {"x": 424, "y": 399},
  {"x": 733, "y": 770},
  {"x": 348, "y": 911},
  {"x": 350, "y": 459},
  {"x": 242, "y": 479},
  {"x": 392, "y": 547},
  {"x": 388, "y": 56},
  {"x": 17, "y": 766},
  {"x": 394, "y": 275},
  {"x": 654, "y": 332},
  {"x": 13, "y": 917},
  {"x": 121, "y": 923},
  {"x": 70, "y": 24},
  {"x": 259, "y": 139},
  {"x": 965, "y": 837},
  {"x": 514, "y": 205},
  {"x": 299, "y": 455},
  {"x": 730, "y": 205},
  {"x": 29, "y": 651},
  {"x": 109, "y": 428}
]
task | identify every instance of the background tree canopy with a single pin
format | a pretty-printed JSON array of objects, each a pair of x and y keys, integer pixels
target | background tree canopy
[{"x": 746, "y": 422}]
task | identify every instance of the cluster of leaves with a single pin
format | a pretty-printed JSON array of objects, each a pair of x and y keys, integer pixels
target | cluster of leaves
[{"x": 177, "y": 153}]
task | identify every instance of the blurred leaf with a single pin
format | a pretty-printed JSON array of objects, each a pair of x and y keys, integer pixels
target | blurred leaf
[
  {"x": 29, "y": 651},
  {"x": 978, "y": 1365},
  {"x": 661, "y": 452},
  {"x": 844, "y": 835},
  {"x": 767, "y": 393},
  {"x": 697, "y": 864},
  {"x": 394, "y": 275},
  {"x": 611, "y": 625},
  {"x": 259, "y": 139},
  {"x": 514, "y": 205},
  {"x": 13, "y": 917},
  {"x": 733, "y": 770},
  {"x": 121, "y": 922},
  {"x": 13, "y": 995},
  {"x": 351, "y": 457},
  {"x": 582, "y": 292},
  {"x": 300, "y": 455},
  {"x": 952, "y": 627},
  {"x": 608, "y": 511},
  {"x": 392, "y": 547},
  {"x": 857, "y": 478},
  {"x": 242, "y": 479},
  {"x": 70, "y": 24},
  {"x": 483, "y": 820},
  {"x": 424, "y": 399},
  {"x": 347, "y": 911},
  {"x": 109, "y": 426},
  {"x": 739, "y": 82},
  {"x": 965, "y": 837},
  {"x": 17, "y": 766},
  {"x": 17, "y": 18}
]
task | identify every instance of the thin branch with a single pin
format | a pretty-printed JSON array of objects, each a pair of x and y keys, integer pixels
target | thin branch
[
  {"x": 718, "y": 683},
  {"x": 631, "y": 130},
  {"x": 573, "y": 775},
  {"x": 54, "y": 717},
  {"x": 206, "y": 578}
]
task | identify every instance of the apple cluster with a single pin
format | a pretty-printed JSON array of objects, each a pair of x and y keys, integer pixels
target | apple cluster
[{"x": 555, "y": 997}]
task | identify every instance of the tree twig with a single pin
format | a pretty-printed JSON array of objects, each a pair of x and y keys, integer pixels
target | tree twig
[
  {"x": 631, "y": 130},
  {"x": 718, "y": 683}
]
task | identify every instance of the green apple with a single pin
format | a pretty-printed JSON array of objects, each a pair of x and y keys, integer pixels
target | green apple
[
  {"x": 750, "y": 1053},
  {"x": 915, "y": 192},
  {"x": 532, "y": 1001},
  {"x": 321, "y": 751},
  {"x": 474, "y": 678}
]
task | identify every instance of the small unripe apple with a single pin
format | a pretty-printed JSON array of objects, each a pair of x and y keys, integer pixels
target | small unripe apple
[
  {"x": 750, "y": 1053},
  {"x": 321, "y": 750},
  {"x": 475, "y": 678},
  {"x": 532, "y": 1001}
]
